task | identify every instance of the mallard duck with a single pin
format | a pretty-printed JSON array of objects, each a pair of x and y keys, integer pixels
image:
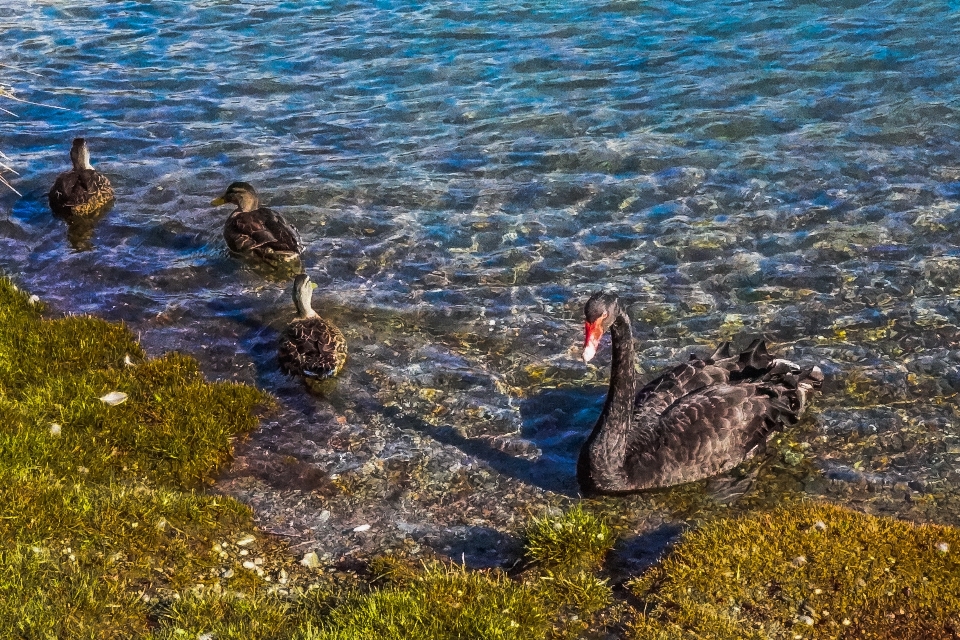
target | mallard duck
[
  {"x": 311, "y": 347},
  {"x": 257, "y": 231},
  {"x": 82, "y": 191},
  {"x": 699, "y": 419}
]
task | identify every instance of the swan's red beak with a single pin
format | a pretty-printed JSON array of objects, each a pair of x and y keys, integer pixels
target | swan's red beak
[{"x": 592, "y": 332}]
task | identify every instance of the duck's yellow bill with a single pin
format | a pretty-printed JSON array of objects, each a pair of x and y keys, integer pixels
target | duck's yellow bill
[{"x": 218, "y": 202}]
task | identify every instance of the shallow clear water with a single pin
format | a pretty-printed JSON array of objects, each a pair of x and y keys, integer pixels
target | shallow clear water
[{"x": 465, "y": 174}]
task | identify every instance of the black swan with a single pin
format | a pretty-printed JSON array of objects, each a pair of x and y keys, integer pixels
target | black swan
[
  {"x": 255, "y": 231},
  {"x": 311, "y": 347},
  {"x": 83, "y": 191},
  {"x": 699, "y": 419}
]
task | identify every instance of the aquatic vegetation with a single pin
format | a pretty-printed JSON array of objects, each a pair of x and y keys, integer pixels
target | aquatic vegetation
[
  {"x": 579, "y": 539},
  {"x": 807, "y": 570}
]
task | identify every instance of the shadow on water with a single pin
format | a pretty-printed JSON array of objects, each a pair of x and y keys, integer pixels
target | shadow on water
[
  {"x": 80, "y": 228},
  {"x": 630, "y": 557},
  {"x": 473, "y": 547},
  {"x": 556, "y": 422}
]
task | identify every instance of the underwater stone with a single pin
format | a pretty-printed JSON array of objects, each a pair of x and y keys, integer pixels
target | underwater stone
[{"x": 310, "y": 560}]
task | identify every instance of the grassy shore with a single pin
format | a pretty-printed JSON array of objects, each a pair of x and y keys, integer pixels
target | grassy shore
[{"x": 106, "y": 531}]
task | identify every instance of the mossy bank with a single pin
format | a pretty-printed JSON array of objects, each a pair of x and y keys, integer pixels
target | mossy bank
[{"x": 107, "y": 531}]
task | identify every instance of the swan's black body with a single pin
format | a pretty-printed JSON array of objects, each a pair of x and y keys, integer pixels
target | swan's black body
[
  {"x": 699, "y": 419},
  {"x": 255, "y": 231},
  {"x": 83, "y": 191}
]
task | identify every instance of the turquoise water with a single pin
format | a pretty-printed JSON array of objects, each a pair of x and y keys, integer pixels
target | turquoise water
[{"x": 464, "y": 175}]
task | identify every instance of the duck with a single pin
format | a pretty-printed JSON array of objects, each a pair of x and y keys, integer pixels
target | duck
[
  {"x": 697, "y": 420},
  {"x": 83, "y": 191},
  {"x": 255, "y": 231},
  {"x": 311, "y": 347}
]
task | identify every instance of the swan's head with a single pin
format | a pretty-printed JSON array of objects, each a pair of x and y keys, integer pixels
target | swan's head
[
  {"x": 241, "y": 194},
  {"x": 599, "y": 313},
  {"x": 80, "y": 155}
]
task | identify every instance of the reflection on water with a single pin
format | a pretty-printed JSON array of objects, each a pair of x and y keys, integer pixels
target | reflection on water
[{"x": 464, "y": 176}]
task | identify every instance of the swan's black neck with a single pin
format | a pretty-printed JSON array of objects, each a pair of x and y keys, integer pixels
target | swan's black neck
[{"x": 602, "y": 460}]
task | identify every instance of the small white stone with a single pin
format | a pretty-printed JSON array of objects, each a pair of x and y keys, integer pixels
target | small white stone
[
  {"x": 205, "y": 636},
  {"x": 228, "y": 573},
  {"x": 114, "y": 398},
  {"x": 247, "y": 564},
  {"x": 361, "y": 528},
  {"x": 258, "y": 561},
  {"x": 820, "y": 525},
  {"x": 34, "y": 299},
  {"x": 310, "y": 560},
  {"x": 807, "y": 620},
  {"x": 246, "y": 540},
  {"x": 943, "y": 547},
  {"x": 55, "y": 429}
]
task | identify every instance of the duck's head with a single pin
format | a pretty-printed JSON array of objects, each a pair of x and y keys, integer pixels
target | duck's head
[
  {"x": 241, "y": 194},
  {"x": 599, "y": 313},
  {"x": 80, "y": 155},
  {"x": 302, "y": 294}
]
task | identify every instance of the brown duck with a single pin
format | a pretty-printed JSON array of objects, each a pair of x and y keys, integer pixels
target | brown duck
[
  {"x": 697, "y": 420},
  {"x": 83, "y": 191},
  {"x": 311, "y": 347},
  {"x": 256, "y": 231}
]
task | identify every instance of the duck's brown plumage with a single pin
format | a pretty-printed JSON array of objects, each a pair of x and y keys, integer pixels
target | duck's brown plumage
[
  {"x": 700, "y": 418},
  {"x": 83, "y": 191},
  {"x": 311, "y": 347},
  {"x": 257, "y": 231}
]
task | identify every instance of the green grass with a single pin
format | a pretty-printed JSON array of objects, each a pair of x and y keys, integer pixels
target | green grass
[
  {"x": 809, "y": 570},
  {"x": 103, "y": 511}
]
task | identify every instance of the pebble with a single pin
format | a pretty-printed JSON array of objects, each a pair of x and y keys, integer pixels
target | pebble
[
  {"x": 943, "y": 547},
  {"x": 807, "y": 620},
  {"x": 310, "y": 560},
  {"x": 247, "y": 564},
  {"x": 55, "y": 429},
  {"x": 361, "y": 528},
  {"x": 228, "y": 573},
  {"x": 246, "y": 540},
  {"x": 114, "y": 398}
]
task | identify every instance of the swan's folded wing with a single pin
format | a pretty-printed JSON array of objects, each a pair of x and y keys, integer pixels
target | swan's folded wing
[
  {"x": 657, "y": 396},
  {"x": 704, "y": 433}
]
